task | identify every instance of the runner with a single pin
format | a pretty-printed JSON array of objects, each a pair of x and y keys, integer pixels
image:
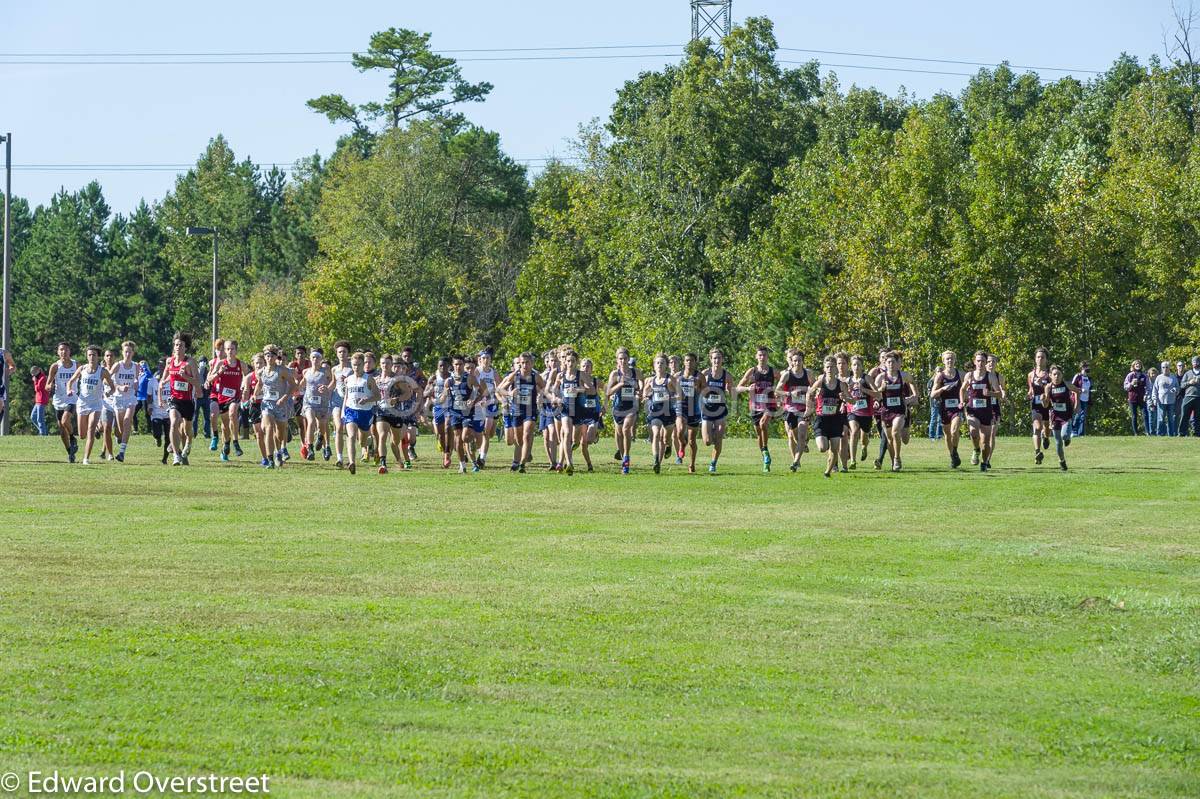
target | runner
[
  {"x": 715, "y": 386},
  {"x": 660, "y": 394},
  {"x": 510, "y": 424},
  {"x": 874, "y": 374},
  {"x": 687, "y": 414},
  {"x": 622, "y": 390},
  {"x": 793, "y": 385},
  {"x": 59, "y": 375},
  {"x": 997, "y": 400},
  {"x": 434, "y": 390},
  {"x": 318, "y": 385},
  {"x": 548, "y": 418},
  {"x": 862, "y": 409},
  {"x": 675, "y": 436},
  {"x": 523, "y": 387},
  {"x": 759, "y": 380},
  {"x": 488, "y": 410},
  {"x": 947, "y": 390},
  {"x": 88, "y": 383},
  {"x": 360, "y": 396},
  {"x": 1061, "y": 399},
  {"x": 460, "y": 393},
  {"x": 253, "y": 406},
  {"x": 898, "y": 395},
  {"x": 299, "y": 364},
  {"x": 587, "y": 432},
  {"x": 828, "y": 398},
  {"x": 214, "y": 393},
  {"x": 1036, "y": 382},
  {"x": 406, "y": 400},
  {"x": 274, "y": 389},
  {"x": 225, "y": 377},
  {"x": 978, "y": 388},
  {"x": 7, "y": 367},
  {"x": 418, "y": 377},
  {"x": 568, "y": 386},
  {"x": 158, "y": 412},
  {"x": 108, "y": 418},
  {"x": 126, "y": 374},
  {"x": 182, "y": 385},
  {"x": 385, "y": 415},
  {"x": 341, "y": 370}
]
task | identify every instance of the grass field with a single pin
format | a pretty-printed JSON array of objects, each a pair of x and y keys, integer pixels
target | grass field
[{"x": 1024, "y": 633}]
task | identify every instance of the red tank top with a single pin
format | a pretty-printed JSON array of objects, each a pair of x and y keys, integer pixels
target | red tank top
[
  {"x": 229, "y": 381},
  {"x": 177, "y": 381}
]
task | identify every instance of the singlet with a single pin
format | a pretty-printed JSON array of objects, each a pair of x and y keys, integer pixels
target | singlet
[
  {"x": 404, "y": 408},
  {"x": 568, "y": 389},
  {"x": 524, "y": 394},
  {"x": 763, "y": 387},
  {"x": 659, "y": 397},
  {"x": 439, "y": 385},
  {"x": 178, "y": 384},
  {"x": 625, "y": 400},
  {"x": 385, "y": 387},
  {"x": 689, "y": 402},
  {"x": 831, "y": 398},
  {"x": 714, "y": 393},
  {"x": 1060, "y": 399},
  {"x": 272, "y": 385},
  {"x": 1038, "y": 400},
  {"x": 340, "y": 373},
  {"x": 977, "y": 391},
  {"x": 123, "y": 375},
  {"x": 61, "y": 378},
  {"x": 229, "y": 380},
  {"x": 90, "y": 393},
  {"x": 893, "y": 393},
  {"x": 860, "y": 401},
  {"x": 460, "y": 392},
  {"x": 949, "y": 399},
  {"x": 313, "y": 398},
  {"x": 487, "y": 379},
  {"x": 995, "y": 397},
  {"x": 796, "y": 400},
  {"x": 357, "y": 393}
]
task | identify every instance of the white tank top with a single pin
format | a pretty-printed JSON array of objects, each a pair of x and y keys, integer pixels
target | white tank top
[
  {"x": 89, "y": 387},
  {"x": 313, "y": 381},
  {"x": 357, "y": 393},
  {"x": 340, "y": 373},
  {"x": 126, "y": 376},
  {"x": 61, "y": 377},
  {"x": 385, "y": 385},
  {"x": 272, "y": 385}
]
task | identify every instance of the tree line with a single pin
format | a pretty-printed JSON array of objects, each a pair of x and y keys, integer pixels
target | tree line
[{"x": 727, "y": 200}]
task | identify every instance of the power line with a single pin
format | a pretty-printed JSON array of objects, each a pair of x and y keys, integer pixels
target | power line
[
  {"x": 937, "y": 60},
  {"x": 281, "y": 165},
  {"x": 238, "y": 53}
]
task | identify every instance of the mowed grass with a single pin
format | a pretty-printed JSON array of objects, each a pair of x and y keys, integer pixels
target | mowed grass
[{"x": 1022, "y": 633}]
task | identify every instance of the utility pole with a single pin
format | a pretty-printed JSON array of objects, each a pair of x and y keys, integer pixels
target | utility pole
[
  {"x": 210, "y": 231},
  {"x": 6, "y": 322},
  {"x": 711, "y": 18}
]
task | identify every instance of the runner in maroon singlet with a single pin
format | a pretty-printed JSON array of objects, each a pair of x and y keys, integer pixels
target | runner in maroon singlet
[
  {"x": 793, "y": 389},
  {"x": 947, "y": 383},
  {"x": 978, "y": 388},
  {"x": 1036, "y": 382},
  {"x": 1060, "y": 399},
  {"x": 898, "y": 396},
  {"x": 759, "y": 380},
  {"x": 861, "y": 409}
]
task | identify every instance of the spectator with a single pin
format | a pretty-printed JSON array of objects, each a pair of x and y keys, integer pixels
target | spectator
[
  {"x": 1166, "y": 390},
  {"x": 142, "y": 394},
  {"x": 1152, "y": 416},
  {"x": 1191, "y": 398},
  {"x": 935, "y": 411},
  {"x": 157, "y": 410},
  {"x": 202, "y": 403},
  {"x": 1083, "y": 382},
  {"x": 41, "y": 398},
  {"x": 1180, "y": 369},
  {"x": 1135, "y": 393}
]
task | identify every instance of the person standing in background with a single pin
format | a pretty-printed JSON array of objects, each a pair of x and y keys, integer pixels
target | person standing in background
[
  {"x": 41, "y": 398},
  {"x": 7, "y": 367},
  {"x": 202, "y": 402},
  {"x": 1180, "y": 370},
  {"x": 1152, "y": 414},
  {"x": 1166, "y": 391},
  {"x": 143, "y": 395},
  {"x": 935, "y": 409},
  {"x": 1135, "y": 394},
  {"x": 1191, "y": 399},
  {"x": 1083, "y": 382}
]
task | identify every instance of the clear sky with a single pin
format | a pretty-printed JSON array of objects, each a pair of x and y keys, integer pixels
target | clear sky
[{"x": 165, "y": 114}]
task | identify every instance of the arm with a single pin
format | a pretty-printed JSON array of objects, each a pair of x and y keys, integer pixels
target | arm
[
  {"x": 745, "y": 382},
  {"x": 374, "y": 387},
  {"x": 913, "y": 398},
  {"x": 936, "y": 390},
  {"x": 107, "y": 378}
]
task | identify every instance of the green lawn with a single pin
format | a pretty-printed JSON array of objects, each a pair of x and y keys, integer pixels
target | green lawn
[{"x": 1022, "y": 633}]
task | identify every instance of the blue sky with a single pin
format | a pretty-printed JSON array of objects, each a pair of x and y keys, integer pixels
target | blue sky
[{"x": 165, "y": 114}]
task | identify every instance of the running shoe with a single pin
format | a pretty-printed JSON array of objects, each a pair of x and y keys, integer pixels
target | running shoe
[
  {"x": 352, "y": 470},
  {"x": 164, "y": 458},
  {"x": 863, "y": 458},
  {"x": 412, "y": 452},
  {"x": 521, "y": 468},
  {"x": 311, "y": 455},
  {"x": 896, "y": 465},
  {"x": 212, "y": 444},
  {"x": 570, "y": 470},
  {"x": 225, "y": 455},
  {"x": 237, "y": 448},
  {"x": 975, "y": 458},
  {"x": 712, "y": 467},
  {"x": 462, "y": 468},
  {"x": 826, "y": 473},
  {"x": 513, "y": 468},
  {"x": 878, "y": 464},
  {"x": 71, "y": 456},
  {"x": 617, "y": 455},
  {"x": 624, "y": 468},
  {"x": 184, "y": 459},
  {"x": 766, "y": 465},
  {"x": 1066, "y": 441},
  {"x": 767, "y": 460},
  {"x": 983, "y": 467},
  {"x": 383, "y": 469},
  {"x": 120, "y": 457},
  {"x": 475, "y": 468},
  {"x": 285, "y": 454},
  {"x": 1045, "y": 442},
  {"x": 86, "y": 462},
  {"x": 175, "y": 461},
  {"x": 1062, "y": 465},
  {"x": 691, "y": 468},
  {"x": 678, "y": 459},
  {"x": 795, "y": 466},
  {"x": 657, "y": 466},
  {"x": 407, "y": 465},
  {"x": 263, "y": 463},
  {"x": 590, "y": 469},
  {"x": 1038, "y": 457},
  {"x": 844, "y": 470},
  {"x": 304, "y": 451},
  {"x": 853, "y": 464},
  {"x": 326, "y": 453},
  {"x": 339, "y": 464},
  {"x": 446, "y": 460}
]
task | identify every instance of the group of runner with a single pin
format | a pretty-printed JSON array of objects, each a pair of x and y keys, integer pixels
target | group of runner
[{"x": 356, "y": 406}]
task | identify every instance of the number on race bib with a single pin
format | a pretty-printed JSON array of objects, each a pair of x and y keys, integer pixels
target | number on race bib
[
  {"x": 180, "y": 385},
  {"x": 760, "y": 399},
  {"x": 1061, "y": 407},
  {"x": 893, "y": 402},
  {"x": 952, "y": 402},
  {"x": 570, "y": 392},
  {"x": 228, "y": 392},
  {"x": 829, "y": 407},
  {"x": 626, "y": 392},
  {"x": 460, "y": 404},
  {"x": 687, "y": 390},
  {"x": 860, "y": 405},
  {"x": 979, "y": 402}
]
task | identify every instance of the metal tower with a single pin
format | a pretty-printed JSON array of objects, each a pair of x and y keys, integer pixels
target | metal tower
[{"x": 711, "y": 17}]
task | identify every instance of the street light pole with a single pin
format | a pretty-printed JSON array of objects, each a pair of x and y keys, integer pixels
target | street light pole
[
  {"x": 5, "y": 322},
  {"x": 206, "y": 231}
]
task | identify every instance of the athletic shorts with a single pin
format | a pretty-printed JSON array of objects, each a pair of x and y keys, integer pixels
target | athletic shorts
[
  {"x": 318, "y": 410},
  {"x": 474, "y": 424},
  {"x": 254, "y": 413},
  {"x": 439, "y": 414},
  {"x": 665, "y": 419},
  {"x": 756, "y": 416},
  {"x": 83, "y": 409},
  {"x": 831, "y": 426},
  {"x": 184, "y": 407},
  {"x": 455, "y": 420},
  {"x": 690, "y": 420},
  {"x": 948, "y": 414},
  {"x": 717, "y": 416},
  {"x": 792, "y": 419},
  {"x": 1038, "y": 412},
  {"x": 276, "y": 409},
  {"x": 223, "y": 403},
  {"x": 519, "y": 419},
  {"x": 392, "y": 419},
  {"x": 983, "y": 416},
  {"x": 996, "y": 413},
  {"x": 362, "y": 419},
  {"x": 864, "y": 422}
]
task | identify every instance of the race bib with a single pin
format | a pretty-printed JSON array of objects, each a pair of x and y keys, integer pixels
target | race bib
[
  {"x": 525, "y": 392},
  {"x": 588, "y": 402},
  {"x": 760, "y": 399},
  {"x": 660, "y": 396},
  {"x": 893, "y": 402},
  {"x": 460, "y": 404},
  {"x": 180, "y": 385},
  {"x": 952, "y": 403},
  {"x": 829, "y": 407},
  {"x": 860, "y": 405},
  {"x": 627, "y": 392},
  {"x": 1061, "y": 407},
  {"x": 228, "y": 393},
  {"x": 570, "y": 392},
  {"x": 687, "y": 390},
  {"x": 979, "y": 402}
]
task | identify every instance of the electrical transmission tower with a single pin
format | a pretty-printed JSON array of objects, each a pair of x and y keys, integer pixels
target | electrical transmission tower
[{"x": 711, "y": 17}]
